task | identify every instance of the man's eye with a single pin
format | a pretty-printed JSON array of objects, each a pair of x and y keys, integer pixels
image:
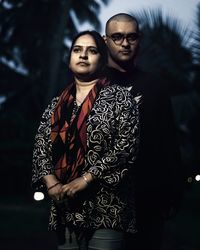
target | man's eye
[
  {"x": 117, "y": 37},
  {"x": 132, "y": 37}
]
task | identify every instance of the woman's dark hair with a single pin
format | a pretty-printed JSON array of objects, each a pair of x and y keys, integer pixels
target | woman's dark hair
[{"x": 100, "y": 43}]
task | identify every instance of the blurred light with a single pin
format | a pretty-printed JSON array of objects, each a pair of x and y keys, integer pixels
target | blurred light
[
  {"x": 38, "y": 196},
  {"x": 189, "y": 179},
  {"x": 197, "y": 177},
  {"x": 7, "y": 5},
  {"x": 2, "y": 100}
]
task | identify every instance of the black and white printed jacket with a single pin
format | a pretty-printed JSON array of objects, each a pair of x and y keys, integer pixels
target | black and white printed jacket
[{"x": 112, "y": 143}]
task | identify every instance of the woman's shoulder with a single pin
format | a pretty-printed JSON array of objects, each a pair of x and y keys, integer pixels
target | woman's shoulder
[
  {"x": 116, "y": 95},
  {"x": 122, "y": 94},
  {"x": 50, "y": 108},
  {"x": 115, "y": 88}
]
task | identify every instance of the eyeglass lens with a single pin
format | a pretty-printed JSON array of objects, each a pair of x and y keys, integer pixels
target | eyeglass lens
[{"x": 119, "y": 37}]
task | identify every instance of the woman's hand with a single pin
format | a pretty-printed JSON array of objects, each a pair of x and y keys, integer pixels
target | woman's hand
[
  {"x": 55, "y": 192},
  {"x": 53, "y": 186},
  {"x": 75, "y": 186}
]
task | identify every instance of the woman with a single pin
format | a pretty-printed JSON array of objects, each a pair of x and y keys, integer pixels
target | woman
[{"x": 84, "y": 150}]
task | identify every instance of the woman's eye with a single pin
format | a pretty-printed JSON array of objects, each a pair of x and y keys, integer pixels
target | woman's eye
[
  {"x": 76, "y": 50},
  {"x": 93, "y": 51}
]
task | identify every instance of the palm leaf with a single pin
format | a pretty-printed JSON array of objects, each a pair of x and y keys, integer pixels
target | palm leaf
[
  {"x": 196, "y": 36},
  {"x": 196, "y": 51},
  {"x": 165, "y": 48}
]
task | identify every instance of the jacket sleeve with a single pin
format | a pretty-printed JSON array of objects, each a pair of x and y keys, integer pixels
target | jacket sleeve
[
  {"x": 118, "y": 161},
  {"x": 42, "y": 158}
]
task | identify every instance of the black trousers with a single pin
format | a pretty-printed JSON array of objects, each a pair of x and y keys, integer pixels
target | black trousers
[{"x": 148, "y": 237}]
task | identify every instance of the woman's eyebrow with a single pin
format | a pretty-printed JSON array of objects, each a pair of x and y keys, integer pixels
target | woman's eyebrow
[{"x": 80, "y": 46}]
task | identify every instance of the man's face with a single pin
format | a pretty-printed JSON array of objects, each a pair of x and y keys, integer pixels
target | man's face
[{"x": 125, "y": 51}]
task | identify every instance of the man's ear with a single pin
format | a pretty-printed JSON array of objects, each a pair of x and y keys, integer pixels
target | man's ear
[{"x": 105, "y": 39}]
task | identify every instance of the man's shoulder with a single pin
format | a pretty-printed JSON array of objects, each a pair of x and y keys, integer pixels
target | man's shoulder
[
  {"x": 134, "y": 74},
  {"x": 146, "y": 76},
  {"x": 141, "y": 80}
]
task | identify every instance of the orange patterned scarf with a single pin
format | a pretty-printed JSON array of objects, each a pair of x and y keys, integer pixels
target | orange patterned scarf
[{"x": 68, "y": 132}]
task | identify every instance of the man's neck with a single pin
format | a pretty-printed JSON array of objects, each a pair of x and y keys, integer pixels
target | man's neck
[{"x": 122, "y": 67}]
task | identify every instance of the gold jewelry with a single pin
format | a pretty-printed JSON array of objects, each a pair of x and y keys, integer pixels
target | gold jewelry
[{"x": 86, "y": 179}]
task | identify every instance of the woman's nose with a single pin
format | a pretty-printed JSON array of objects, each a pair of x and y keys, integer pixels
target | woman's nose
[{"x": 84, "y": 54}]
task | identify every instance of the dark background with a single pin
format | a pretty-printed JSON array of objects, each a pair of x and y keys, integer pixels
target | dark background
[{"x": 33, "y": 69}]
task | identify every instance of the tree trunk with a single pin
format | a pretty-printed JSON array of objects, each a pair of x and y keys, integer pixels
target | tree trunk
[{"x": 55, "y": 46}]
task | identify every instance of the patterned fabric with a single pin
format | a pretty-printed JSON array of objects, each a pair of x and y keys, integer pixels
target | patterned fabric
[
  {"x": 112, "y": 144},
  {"x": 68, "y": 132}
]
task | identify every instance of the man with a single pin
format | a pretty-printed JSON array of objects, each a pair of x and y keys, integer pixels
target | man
[{"x": 158, "y": 162}]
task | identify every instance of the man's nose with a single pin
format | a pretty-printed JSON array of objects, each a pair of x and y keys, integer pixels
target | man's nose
[{"x": 125, "y": 42}]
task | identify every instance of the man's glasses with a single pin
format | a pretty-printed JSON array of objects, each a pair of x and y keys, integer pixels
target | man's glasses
[{"x": 118, "y": 38}]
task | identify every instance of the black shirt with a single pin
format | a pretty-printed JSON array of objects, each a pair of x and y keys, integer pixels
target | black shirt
[{"x": 158, "y": 167}]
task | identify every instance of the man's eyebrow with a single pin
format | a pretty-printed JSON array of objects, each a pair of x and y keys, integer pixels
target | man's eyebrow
[
  {"x": 121, "y": 33},
  {"x": 117, "y": 33}
]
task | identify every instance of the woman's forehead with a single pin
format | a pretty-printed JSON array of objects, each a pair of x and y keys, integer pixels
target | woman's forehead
[{"x": 85, "y": 40}]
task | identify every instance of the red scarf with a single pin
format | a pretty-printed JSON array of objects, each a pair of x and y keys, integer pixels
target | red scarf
[{"x": 68, "y": 133}]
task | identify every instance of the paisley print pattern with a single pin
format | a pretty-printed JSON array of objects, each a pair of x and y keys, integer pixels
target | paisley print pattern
[{"x": 112, "y": 144}]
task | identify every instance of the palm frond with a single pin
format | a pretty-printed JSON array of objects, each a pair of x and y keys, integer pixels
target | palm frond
[
  {"x": 88, "y": 11},
  {"x": 165, "y": 47},
  {"x": 196, "y": 38},
  {"x": 154, "y": 19}
]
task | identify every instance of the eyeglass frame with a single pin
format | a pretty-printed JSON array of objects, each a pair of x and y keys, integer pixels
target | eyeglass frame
[{"x": 124, "y": 37}]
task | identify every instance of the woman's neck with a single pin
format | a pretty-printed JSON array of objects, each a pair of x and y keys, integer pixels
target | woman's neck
[
  {"x": 84, "y": 86},
  {"x": 82, "y": 89}
]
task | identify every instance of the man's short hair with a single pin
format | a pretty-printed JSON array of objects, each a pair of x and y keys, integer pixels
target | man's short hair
[{"x": 124, "y": 17}]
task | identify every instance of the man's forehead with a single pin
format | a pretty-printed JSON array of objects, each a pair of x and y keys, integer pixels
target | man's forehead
[{"x": 122, "y": 26}]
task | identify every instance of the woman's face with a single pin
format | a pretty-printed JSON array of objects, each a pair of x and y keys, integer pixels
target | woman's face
[{"x": 85, "y": 58}]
